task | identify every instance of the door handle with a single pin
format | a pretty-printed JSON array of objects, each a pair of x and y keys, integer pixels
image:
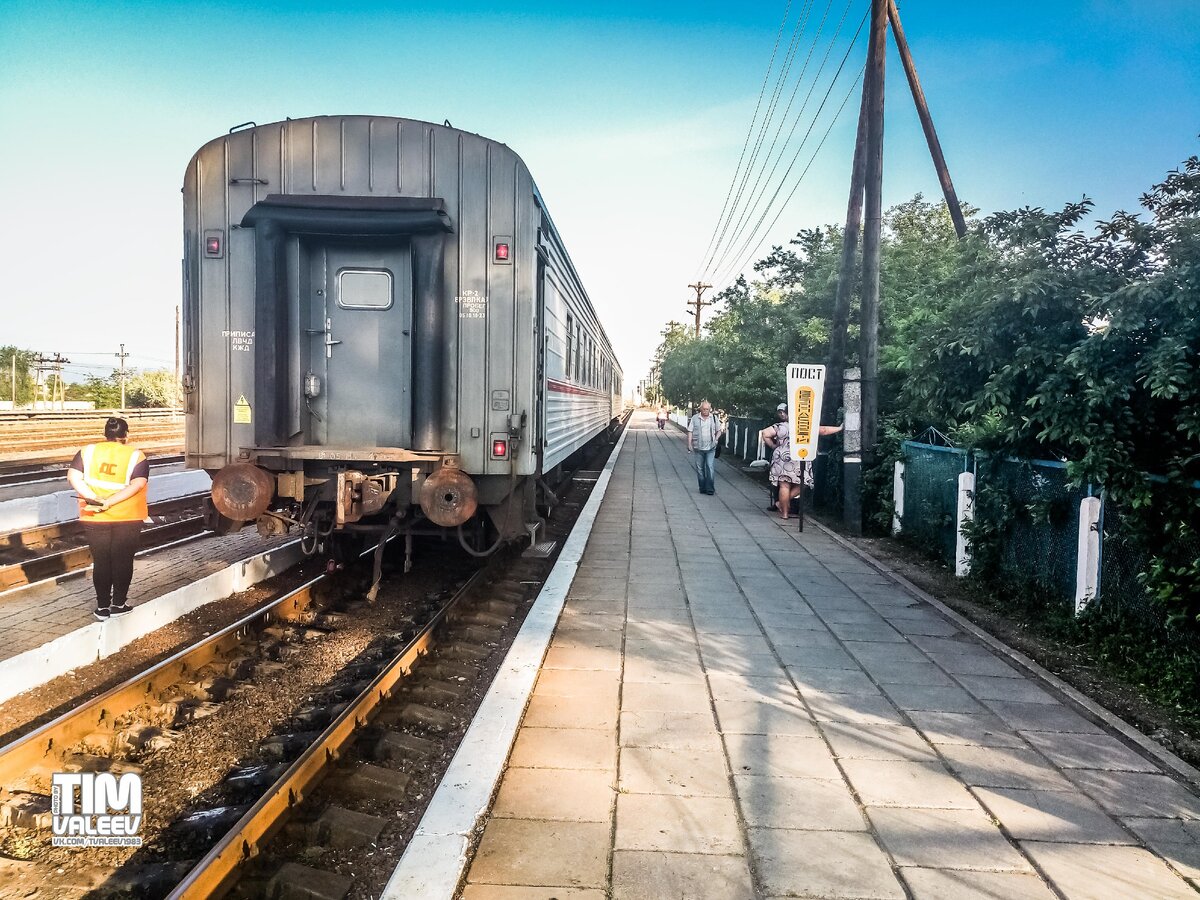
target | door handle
[{"x": 329, "y": 341}]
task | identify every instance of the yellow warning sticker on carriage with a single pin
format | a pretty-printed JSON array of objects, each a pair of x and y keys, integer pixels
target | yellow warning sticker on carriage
[
  {"x": 241, "y": 411},
  {"x": 806, "y": 385}
]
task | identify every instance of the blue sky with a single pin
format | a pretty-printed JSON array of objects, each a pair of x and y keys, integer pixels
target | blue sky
[{"x": 631, "y": 117}]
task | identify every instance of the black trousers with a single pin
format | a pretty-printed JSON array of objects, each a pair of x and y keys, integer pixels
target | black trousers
[{"x": 113, "y": 545}]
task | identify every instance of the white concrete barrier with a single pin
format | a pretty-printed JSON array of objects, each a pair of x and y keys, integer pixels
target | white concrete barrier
[
  {"x": 898, "y": 497},
  {"x": 90, "y": 643},
  {"x": 1087, "y": 561},
  {"x": 966, "y": 514},
  {"x": 61, "y": 506}
]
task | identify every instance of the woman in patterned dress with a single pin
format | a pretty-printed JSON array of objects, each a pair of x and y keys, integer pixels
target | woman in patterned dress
[{"x": 787, "y": 474}]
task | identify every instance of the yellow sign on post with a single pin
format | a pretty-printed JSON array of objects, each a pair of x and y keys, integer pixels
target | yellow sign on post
[{"x": 806, "y": 387}]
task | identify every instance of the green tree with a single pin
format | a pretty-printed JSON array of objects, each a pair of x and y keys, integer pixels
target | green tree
[
  {"x": 24, "y": 373},
  {"x": 152, "y": 388}
]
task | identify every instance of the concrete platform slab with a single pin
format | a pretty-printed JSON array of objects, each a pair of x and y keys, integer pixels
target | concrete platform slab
[
  {"x": 1090, "y": 872},
  {"x": 565, "y": 748},
  {"x": 946, "y": 838},
  {"x": 838, "y": 864},
  {"x": 560, "y": 795},
  {"x": 953, "y": 884},
  {"x": 677, "y": 824},
  {"x": 1062, "y": 816},
  {"x": 667, "y": 876}
]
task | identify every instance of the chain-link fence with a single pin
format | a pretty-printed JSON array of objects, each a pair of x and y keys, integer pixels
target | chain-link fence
[
  {"x": 931, "y": 496},
  {"x": 1037, "y": 509},
  {"x": 1025, "y": 531}
]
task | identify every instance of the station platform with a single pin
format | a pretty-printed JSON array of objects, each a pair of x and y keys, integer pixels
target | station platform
[{"x": 731, "y": 709}]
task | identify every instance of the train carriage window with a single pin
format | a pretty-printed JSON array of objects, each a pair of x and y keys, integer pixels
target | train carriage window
[
  {"x": 364, "y": 289},
  {"x": 570, "y": 344}
]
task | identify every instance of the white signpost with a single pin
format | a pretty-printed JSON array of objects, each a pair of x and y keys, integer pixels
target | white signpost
[{"x": 805, "y": 387}]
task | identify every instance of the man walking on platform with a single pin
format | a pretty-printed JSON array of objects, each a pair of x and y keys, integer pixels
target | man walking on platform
[
  {"x": 111, "y": 480},
  {"x": 704, "y": 430}
]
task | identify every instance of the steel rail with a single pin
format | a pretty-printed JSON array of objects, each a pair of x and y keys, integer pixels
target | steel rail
[
  {"x": 40, "y": 751},
  {"x": 74, "y": 559},
  {"x": 217, "y": 872}
]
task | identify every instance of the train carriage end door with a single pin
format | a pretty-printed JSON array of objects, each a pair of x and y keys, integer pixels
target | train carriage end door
[{"x": 360, "y": 331}]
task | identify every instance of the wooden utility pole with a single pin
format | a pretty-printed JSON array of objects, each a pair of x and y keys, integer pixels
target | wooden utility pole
[
  {"x": 698, "y": 304},
  {"x": 845, "y": 285},
  {"x": 873, "y": 227},
  {"x": 931, "y": 138},
  {"x": 60, "y": 389}
]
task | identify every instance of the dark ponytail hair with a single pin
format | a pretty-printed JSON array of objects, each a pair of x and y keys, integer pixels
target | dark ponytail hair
[{"x": 116, "y": 429}]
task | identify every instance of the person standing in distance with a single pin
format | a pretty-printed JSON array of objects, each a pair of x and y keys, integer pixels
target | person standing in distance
[
  {"x": 788, "y": 475},
  {"x": 704, "y": 430},
  {"x": 111, "y": 480}
]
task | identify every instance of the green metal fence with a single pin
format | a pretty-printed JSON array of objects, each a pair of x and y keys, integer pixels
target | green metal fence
[
  {"x": 1032, "y": 510},
  {"x": 1040, "y": 522},
  {"x": 931, "y": 496}
]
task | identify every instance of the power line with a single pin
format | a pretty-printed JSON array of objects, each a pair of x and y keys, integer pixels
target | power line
[
  {"x": 750, "y": 130},
  {"x": 781, "y": 80},
  {"x": 771, "y": 203},
  {"x": 746, "y": 256},
  {"x": 761, "y": 184},
  {"x": 754, "y": 192}
]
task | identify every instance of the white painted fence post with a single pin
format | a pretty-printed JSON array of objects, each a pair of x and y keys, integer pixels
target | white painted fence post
[
  {"x": 966, "y": 513},
  {"x": 897, "y": 496},
  {"x": 1087, "y": 559}
]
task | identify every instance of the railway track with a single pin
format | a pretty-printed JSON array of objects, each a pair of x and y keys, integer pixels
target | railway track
[
  {"x": 51, "y": 551},
  {"x": 123, "y": 730}
]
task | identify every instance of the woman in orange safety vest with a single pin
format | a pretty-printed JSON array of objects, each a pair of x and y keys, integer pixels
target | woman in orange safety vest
[{"x": 111, "y": 480}]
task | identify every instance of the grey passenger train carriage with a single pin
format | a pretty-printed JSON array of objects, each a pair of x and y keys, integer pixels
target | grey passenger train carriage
[{"x": 382, "y": 329}]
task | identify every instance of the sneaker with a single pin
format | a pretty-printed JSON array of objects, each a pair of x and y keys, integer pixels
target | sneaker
[
  {"x": 101, "y": 614},
  {"x": 120, "y": 610}
]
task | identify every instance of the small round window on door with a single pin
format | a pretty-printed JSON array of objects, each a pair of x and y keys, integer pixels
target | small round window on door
[{"x": 364, "y": 289}]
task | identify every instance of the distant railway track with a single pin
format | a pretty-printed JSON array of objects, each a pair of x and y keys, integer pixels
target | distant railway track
[
  {"x": 53, "y": 550},
  {"x": 36, "y": 473},
  {"x": 32, "y": 437}
]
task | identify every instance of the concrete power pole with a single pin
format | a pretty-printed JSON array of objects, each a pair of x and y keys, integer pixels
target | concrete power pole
[
  {"x": 175, "y": 391},
  {"x": 60, "y": 389},
  {"x": 698, "y": 304},
  {"x": 122, "y": 356}
]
